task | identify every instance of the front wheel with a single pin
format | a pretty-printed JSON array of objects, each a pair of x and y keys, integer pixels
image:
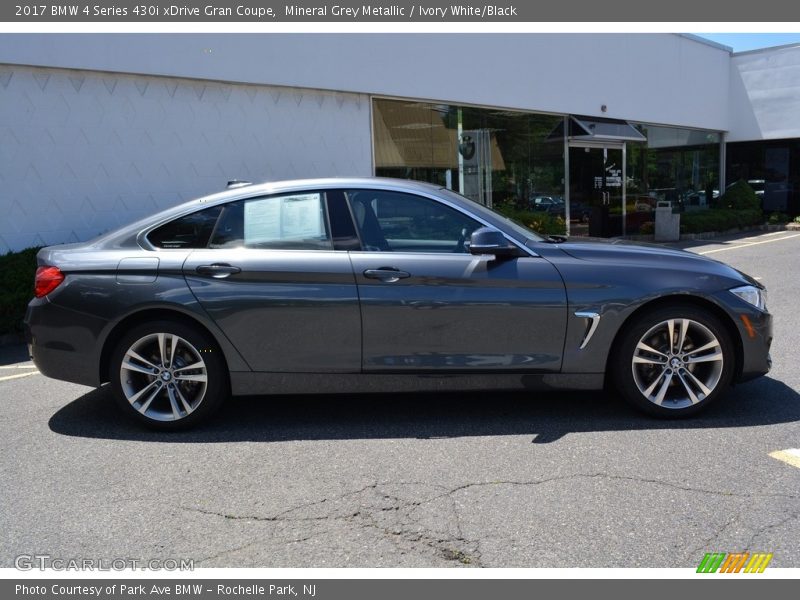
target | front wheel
[
  {"x": 673, "y": 362},
  {"x": 168, "y": 375}
]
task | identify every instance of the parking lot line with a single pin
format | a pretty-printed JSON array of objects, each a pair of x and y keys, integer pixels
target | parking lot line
[
  {"x": 746, "y": 244},
  {"x": 18, "y": 375},
  {"x": 790, "y": 456}
]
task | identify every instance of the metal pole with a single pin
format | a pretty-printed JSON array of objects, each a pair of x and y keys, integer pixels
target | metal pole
[
  {"x": 624, "y": 187},
  {"x": 459, "y": 132},
  {"x": 723, "y": 150},
  {"x": 566, "y": 174}
]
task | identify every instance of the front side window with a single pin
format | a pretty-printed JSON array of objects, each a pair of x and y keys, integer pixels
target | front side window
[{"x": 397, "y": 222}]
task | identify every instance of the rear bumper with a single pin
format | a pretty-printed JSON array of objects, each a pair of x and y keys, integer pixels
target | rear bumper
[{"x": 63, "y": 343}]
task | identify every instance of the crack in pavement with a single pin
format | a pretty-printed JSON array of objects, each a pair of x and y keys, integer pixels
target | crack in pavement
[
  {"x": 765, "y": 528},
  {"x": 621, "y": 478},
  {"x": 708, "y": 543},
  {"x": 396, "y": 518},
  {"x": 387, "y": 513},
  {"x": 251, "y": 544}
]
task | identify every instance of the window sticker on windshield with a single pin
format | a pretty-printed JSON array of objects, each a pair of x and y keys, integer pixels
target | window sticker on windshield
[{"x": 296, "y": 217}]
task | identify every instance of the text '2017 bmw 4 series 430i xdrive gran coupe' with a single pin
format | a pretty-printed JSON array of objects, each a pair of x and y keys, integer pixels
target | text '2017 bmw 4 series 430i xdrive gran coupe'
[{"x": 382, "y": 285}]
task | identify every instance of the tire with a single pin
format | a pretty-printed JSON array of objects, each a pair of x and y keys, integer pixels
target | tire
[
  {"x": 677, "y": 380},
  {"x": 152, "y": 381}
]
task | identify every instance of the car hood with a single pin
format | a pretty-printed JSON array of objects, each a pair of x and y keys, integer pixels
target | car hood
[{"x": 624, "y": 253}]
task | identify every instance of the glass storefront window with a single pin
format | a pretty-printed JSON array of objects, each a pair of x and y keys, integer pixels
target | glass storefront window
[
  {"x": 771, "y": 168},
  {"x": 493, "y": 156},
  {"x": 515, "y": 161},
  {"x": 679, "y": 165}
]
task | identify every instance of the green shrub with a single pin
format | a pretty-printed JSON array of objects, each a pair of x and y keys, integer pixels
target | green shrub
[
  {"x": 739, "y": 196},
  {"x": 647, "y": 228},
  {"x": 703, "y": 221},
  {"x": 540, "y": 222},
  {"x": 777, "y": 218},
  {"x": 17, "y": 270}
]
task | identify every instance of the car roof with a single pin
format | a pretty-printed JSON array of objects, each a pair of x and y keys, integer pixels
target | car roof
[
  {"x": 272, "y": 187},
  {"x": 249, "y": 190}
]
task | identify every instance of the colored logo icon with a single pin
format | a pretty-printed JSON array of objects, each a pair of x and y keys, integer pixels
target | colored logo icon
[{"x": 738, "y": 562}]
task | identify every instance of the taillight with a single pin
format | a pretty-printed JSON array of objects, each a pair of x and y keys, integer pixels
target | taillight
[{"x": 47, "y": 279}]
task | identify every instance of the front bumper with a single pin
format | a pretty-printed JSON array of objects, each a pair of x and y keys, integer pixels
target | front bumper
[{"x": 755, "y": 330}]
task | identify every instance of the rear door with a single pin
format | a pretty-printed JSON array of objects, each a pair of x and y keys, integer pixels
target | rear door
[{"x": 272, "y": 281}]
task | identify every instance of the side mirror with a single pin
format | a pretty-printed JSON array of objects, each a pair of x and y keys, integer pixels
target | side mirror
[{"x": 486, "y": 240}]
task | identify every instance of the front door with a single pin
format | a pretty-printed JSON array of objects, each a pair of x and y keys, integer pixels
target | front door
[
  {"x": 597, "y": 191},
  {"x": 427, "y": 304}
]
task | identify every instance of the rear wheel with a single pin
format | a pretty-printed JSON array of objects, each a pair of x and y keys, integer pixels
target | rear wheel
[
  {"x": 168, "y": 375},
  {"x": 673, "y": 362}
]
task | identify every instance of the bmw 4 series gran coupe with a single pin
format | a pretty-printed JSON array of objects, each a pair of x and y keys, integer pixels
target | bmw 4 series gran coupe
[{"x": 382, "y": 285}]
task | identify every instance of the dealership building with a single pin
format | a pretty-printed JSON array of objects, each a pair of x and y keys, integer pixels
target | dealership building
[{"x": 100, "y": 129}]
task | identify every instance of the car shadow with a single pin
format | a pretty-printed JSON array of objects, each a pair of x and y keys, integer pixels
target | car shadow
[{"x": 546, "y": 417}]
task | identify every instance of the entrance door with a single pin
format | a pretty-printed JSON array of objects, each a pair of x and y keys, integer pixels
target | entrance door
[{"x": 596, "y": 189}]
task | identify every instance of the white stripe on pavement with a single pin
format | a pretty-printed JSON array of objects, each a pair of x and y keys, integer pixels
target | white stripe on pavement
[
  {"x": 746, "y": 244},
  {"x": 790, "y": 456},
  {"x": 18, "y": 375}
]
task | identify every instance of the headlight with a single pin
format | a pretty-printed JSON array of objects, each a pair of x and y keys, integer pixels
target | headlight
[{"x": 755, "y": 296}]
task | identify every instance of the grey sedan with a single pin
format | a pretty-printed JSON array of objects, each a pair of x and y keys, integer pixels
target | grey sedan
[{"x": 382, "y": 285}]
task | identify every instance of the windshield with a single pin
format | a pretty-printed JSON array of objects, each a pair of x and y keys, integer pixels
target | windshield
[{"x": 495, "y": 218}]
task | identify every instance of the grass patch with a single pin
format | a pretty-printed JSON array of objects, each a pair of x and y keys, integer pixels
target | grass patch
[{"x": 17, "y": 270}]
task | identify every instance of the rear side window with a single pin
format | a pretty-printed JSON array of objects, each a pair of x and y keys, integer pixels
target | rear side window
[
  {"x": 291, "y": 222},
  {"x": 189, "y": 231}
]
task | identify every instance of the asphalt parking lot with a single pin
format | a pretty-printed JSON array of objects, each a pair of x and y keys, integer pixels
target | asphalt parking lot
[{"x": 464, "y": 480}]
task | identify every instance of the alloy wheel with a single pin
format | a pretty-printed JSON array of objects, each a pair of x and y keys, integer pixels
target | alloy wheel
[
  {"x": 163, "y": 377},
  {"x": 677, "y": 363}
]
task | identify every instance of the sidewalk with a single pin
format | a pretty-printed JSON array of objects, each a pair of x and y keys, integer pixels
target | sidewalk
[
  {"x": 702, "y": 239},
  {"x": 730, "y": 238}
]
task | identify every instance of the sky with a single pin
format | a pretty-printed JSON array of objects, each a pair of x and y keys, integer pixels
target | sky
[{"x": 741, "y": 42}]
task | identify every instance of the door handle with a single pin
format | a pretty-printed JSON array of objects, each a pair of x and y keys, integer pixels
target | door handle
[
  {"x": 218, "y": 270},
  {"x": 387, "y": 274}
]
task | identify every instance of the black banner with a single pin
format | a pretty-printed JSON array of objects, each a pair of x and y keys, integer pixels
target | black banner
[
  {"x": 456, "y": 11},
  {"x": 388, "y": 589}
]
